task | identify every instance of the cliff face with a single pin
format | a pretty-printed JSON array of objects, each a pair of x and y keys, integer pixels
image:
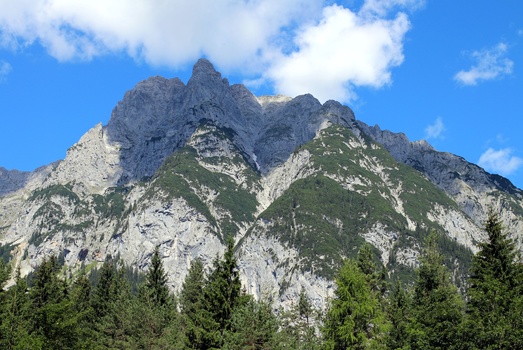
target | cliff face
[{"x": 299, "y": 185}]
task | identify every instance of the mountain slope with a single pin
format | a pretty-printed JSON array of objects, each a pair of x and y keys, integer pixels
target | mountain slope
[{"x": 300, "y": 186}]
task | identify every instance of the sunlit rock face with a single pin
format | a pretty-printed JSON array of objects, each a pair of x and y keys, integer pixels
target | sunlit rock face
[{"x": 299, "y": 185}]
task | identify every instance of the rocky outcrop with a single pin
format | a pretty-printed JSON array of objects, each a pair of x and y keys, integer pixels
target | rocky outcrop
[
  {"x": 182, "y": 166},
  {"x": 471, "y": 187}
]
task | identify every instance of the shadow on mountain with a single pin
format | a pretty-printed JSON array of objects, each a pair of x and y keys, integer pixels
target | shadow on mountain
[{"x": 159, "y": 116}]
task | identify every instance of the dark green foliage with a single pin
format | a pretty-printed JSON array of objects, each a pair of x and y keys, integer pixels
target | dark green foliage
[
  {"x": 375, "y": 273},
  {"x": 156, "y": 281},
  {"x": 354, "y": 319},
  {"x": 110, "y": 205},
  {"x": 223, "y": 289},
  {"x": 5, "y": 252},
  {"x": 253, "y": 325},
  {"x": 495, "y": 295},
  {"x": 16, "y": 313},
  {"x": 5, "y": 272},
  {"x": 399, "y": 313},
  {"x": 55, "y": 190},
  {"x": 437, "y": 308},
  {"x": 54, "y": 320},
  {"x": 182, "y": 176},
  {"x": 199, "y": 328},
  {"x": 305, "y": 203}
]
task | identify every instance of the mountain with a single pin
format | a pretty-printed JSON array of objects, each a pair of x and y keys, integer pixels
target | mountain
[{"x": 300, "y": 186}]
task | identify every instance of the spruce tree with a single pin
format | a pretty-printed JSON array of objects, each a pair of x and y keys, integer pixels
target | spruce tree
[
  {"x": 53, "y": 317},
  {"x": 354, "y": 319},
  {"x": 223, "y": 289},
  {"x": 437, "y": 310},
  {"x": 156, "y": 281},
  {"x": 16, "y": 321},
  {"x": 252, "y": 326},
  {"x": 398, "y": 312},
  {"x": 495, "y": 294},
  {"x": 197, "y": 323}
]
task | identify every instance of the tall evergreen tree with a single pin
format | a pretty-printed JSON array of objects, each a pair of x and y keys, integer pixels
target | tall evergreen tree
[
  {"x": 495, "y": 294},
  {"x": 53, "y": 318},
  {"x": 15, "y": 325},
  {"x": 223, "y": 289},
  {"x": 376, "y": 275},
  {"x": 156, "y": 281},
  {"x": 252, "y": 326},
  {"x": 105, "y": 290},
  {"x": 198, "y": 326},
  {"x": 354, "y": 319},
  {"x": 438, "y": 308},
  {"x": 5, "y": 273},
  {"x": 398, "y": 312},
  {"x": 298, "y": 325}
]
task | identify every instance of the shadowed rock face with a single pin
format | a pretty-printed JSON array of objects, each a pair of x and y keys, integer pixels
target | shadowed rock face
[{"x": 159, "y": 115}]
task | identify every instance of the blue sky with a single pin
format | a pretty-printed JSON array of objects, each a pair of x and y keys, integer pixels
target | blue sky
[{"x": 450, "y": 72}]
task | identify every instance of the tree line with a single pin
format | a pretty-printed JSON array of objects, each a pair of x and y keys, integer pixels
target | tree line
[{"x": 113, "y": 311}]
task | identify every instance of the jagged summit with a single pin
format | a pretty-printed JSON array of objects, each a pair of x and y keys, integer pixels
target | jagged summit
[{"x": 299, "y": 184}]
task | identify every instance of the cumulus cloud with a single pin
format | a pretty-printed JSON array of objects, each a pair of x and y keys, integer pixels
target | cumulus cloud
[
  {"x": 490, "y": 64},
  {"x": 435, "y": 130},
  {"x": 342, "y": 51},
  {"x": 160, "y": 32},
  {"x": 5, "y": 69},
  {"x": 500, "y": 161},
  {"x": 303, "y": 45}
]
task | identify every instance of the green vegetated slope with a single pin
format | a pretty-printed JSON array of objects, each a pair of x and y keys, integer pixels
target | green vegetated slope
[
  {"x": 61, "y": 210},
  {"x": 224, "y": 202},
  {"x": 350, "y": 193}
]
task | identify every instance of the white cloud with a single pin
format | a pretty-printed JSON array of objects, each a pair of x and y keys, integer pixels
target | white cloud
[
  {"x": 342, "y": 51},
  {"x": 5, "y": 69},
  {"x": 435, "y": 130},
  {"x": 500, "y": 161},
  {"x": 160, "y": 32},
  {"x": 381, "y": 8},
  {"x": 304, "y": 46},
  {"x": 490, "y": 64}
]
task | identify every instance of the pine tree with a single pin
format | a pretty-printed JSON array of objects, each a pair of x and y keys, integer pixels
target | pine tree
[
  {"x": 376, "y": 276},
  {"x": 495, "y": 295},
  {"x": 14, "y": 331},
  {"x": 252, "y": 326},
  {"x": 437, "y": 310},
  {"x": 354, "y": 319},
  {"x": 80, "y": 296},
  {"x": 5, "y": 273},
  {"x": 156, "y": 281},
  {"x": 198, "y": 326},
  {"x": 398, "y": 311},
  {"x": 53, "y": 317},
  {"x": 298, "y": 325},
  {"x": 223, "y": 289},
  {"x": 105, "y": 291}
]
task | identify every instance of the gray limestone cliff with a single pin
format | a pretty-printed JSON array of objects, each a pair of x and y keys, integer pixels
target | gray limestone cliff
[{"x": 300, "y": 186}]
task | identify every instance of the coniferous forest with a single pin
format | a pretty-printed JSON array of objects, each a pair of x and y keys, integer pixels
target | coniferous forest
[{"x": 115, "y": 307}]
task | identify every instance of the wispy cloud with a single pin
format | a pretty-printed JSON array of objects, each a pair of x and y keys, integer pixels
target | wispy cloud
[
  {"x": 435, "y": 130},
  {"x": 383, "y": 7},
  {"x": 304, "y": 45},
  {"x": 500, "y": 161},
  {"x": 490, "y": 64},
  {"x": 5, "y": 69}
]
